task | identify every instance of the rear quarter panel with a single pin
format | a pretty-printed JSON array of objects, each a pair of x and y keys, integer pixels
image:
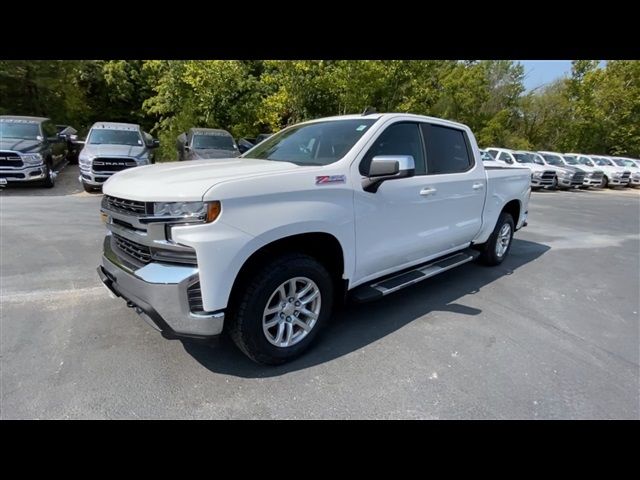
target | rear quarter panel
[{"x": 504, "y": 184}]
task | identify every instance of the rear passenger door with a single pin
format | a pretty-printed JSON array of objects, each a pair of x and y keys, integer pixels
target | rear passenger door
[{"x": 458, "y": 185}]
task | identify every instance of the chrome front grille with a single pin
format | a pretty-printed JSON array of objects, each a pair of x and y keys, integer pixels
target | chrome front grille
[
  {"x": 124, "y": 206},
  {"x": 548, "y": 175},
  {"x": 136, "y": 250},
  {"x": 578, "y": 177},
  {"x": 110, "y": 165},
  {"x": 597, "y": 176},
  {"x": 10, "y": 160},
  {"x": 626, "y": 176}
]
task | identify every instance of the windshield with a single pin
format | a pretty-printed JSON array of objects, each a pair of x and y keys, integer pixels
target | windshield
[
  {"x": 318, "y": 143},
  {"x": 585, "y": 161},
  {"x": 214, "y": 141},
  {"x": 570, "y": 159},
  {"x": 626, "y": 163},
  {"x": 523, "y": 158},
  {"x": 554, "y": 160},
  {"x": 114, "y": 137},
  {"x": 537, "y": 158},
  {"x": 486, "y": 156},
  {"x": 603, "y": 161},
  {"x": 24, "y": 131}
]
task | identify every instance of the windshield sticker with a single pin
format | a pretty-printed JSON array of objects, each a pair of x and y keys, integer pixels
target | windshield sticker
[
  {"x": 329, "y": 179},
  {"x": 361, "y": 127}
]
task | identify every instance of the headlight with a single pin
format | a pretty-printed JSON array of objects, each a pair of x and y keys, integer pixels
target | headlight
[
  {"x": 199, "y": 211},
  {"x": 84, "y": 160},
  {"x": 537, "y": 174},
  {"x": 32, "y": 158},
  {"x": 142, "y": 161}
]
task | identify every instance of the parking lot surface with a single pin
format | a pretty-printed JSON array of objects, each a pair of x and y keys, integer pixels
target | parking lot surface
[{"x": 551, "y": 333}]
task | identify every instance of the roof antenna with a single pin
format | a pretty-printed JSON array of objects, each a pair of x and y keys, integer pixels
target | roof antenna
[{"x": 368, "y": 111}]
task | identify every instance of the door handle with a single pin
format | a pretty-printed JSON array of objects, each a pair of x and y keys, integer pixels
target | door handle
[
  {"x": 478, "y": 186},
  {"x": 426, "y": 191}
]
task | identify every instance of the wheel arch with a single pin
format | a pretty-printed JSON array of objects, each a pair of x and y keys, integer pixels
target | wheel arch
[{"x": 323, "y": 246}]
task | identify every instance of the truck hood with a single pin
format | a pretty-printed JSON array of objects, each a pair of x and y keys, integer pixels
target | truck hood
[
  {"x": 534, "y": 167},
  {"x": 20, "y": 145},
  {"x": 558, "y": 169},
  {"x": 186, "y": 181},
  {"x": 205, "y": 153},
  {"x": 105, "y": 150},
  {"x": 610, "y": 170}
]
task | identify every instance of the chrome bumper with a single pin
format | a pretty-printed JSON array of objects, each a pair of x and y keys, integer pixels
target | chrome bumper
[
  {"x": 27, "y": 174},
  {"x": 95, "y": 180},
  {"x": 619, "y": 181},
  {"x": 158, "y": 292}
]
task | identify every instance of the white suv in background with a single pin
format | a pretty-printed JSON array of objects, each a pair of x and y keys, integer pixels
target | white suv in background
[{"x": 541, "y": 176}]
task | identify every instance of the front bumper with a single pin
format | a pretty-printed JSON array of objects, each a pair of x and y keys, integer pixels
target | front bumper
[
  {"x": 592, "y": 182},
  {"x": 618, "y": 181},
  {"x": 634, "y": 181},
  {"x": 158, "y": 292},
  {"x": 26, "y": 174},
  {"x": 541, "y": 182},
  {"x": 88, "y": 177}
]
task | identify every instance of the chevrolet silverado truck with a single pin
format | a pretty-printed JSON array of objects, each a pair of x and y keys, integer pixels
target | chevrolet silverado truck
[
  {"x": 30, "y": 149},
  {"x": 265, "y": 245},
  {"x": 202, "y": 143},
  {"x": 112, "y": 147}
]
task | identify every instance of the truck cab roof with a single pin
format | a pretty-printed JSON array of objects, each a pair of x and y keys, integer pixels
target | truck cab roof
[
  {"x": 115, "y": 126},
  {"x": 20, "y": 118}
]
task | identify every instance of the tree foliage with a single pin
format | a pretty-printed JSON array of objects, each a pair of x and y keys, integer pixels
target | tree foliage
[{"x": 596, "y": 110}]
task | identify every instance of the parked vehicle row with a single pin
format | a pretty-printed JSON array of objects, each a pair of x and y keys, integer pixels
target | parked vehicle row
[
  {"x": 570, "y": 170},
  {"x": 264, "y": 246}
]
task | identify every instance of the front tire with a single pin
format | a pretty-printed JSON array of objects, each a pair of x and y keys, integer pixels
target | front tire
[
  {"x": 282, "y": 308},
  {"x": 605, "y": 182},
  {"x": 499, "y": 244},
  {"x": 89, "y": 188},
  {"x": 49, "y": 180}
]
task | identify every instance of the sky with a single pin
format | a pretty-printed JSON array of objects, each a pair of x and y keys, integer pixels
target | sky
[{"x": 540, "y": 72}]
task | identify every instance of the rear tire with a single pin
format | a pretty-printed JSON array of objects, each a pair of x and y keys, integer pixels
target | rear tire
[
  {"x": 496, "y": 249},
  {"x": 260, "y": 309}
]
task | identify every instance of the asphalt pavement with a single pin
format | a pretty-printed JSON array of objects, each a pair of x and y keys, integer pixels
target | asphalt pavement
[{"x": 552, "y": 333}]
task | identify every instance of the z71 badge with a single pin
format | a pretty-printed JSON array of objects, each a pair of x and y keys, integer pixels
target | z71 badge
[{"x": 329, "y": 179}]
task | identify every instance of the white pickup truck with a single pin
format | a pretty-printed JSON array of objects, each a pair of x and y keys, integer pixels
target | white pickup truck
[{"x": 266, "y": 244}]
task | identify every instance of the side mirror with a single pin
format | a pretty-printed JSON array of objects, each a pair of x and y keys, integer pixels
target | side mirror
[
  {"x": 388, "y": 167},
  {"x": 187, "y": 148},
  {"x": 40, "y": 138},
  {"x": 155, "y": 143}
]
